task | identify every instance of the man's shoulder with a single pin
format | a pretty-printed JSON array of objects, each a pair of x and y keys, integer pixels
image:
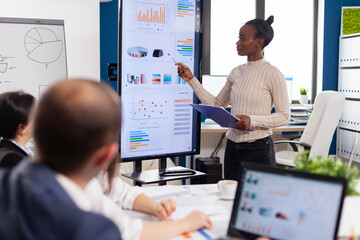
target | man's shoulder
[
  {"x": 41, "y": 209},
  {"x": 94, "y": 226}
]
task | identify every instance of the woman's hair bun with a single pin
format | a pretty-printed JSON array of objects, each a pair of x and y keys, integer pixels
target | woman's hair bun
[{"x": 270, "y": 20}]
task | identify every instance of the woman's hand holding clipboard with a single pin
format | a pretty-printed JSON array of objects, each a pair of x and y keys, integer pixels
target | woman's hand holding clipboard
[
  {"x": 223, "y": 117},
  {"x": 243, "y": 123}
]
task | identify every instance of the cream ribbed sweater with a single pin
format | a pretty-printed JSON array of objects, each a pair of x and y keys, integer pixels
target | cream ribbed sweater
[{"x": 252, "y": 89}]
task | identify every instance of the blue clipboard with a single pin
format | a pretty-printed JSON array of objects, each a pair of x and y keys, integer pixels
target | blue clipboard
[{"x": 218, "y": 114}]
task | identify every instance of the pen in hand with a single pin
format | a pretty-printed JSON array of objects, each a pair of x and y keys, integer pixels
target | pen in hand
[{"x": 171, "y": 58}]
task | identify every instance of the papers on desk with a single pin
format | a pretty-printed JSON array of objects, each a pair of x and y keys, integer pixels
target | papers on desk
[
  {"x": 215, "y": 213},
  {"x": 300, "y": 114},
  {"x": 350, "y": 216},
  {"x": 204, "y": 190},
  {"x": 188, "y": 198},
  {"x": 172, "y": 191},
  {"x": 301, "y": 107},
  {"x": 164, "y": 191},
  {"x": 201, "y": 234}
]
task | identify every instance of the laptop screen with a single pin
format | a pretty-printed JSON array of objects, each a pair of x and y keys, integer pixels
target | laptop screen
[{"x": 286, "y": 206}]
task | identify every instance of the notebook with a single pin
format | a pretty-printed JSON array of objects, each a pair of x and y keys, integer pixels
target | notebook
[{"x": 286, "y": 204}]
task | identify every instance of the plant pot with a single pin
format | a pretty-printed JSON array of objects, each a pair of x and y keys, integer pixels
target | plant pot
[{"x": 304, "y": 99}]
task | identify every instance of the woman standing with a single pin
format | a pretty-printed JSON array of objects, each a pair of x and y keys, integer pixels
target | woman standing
[{"x": 253, "y": 89}]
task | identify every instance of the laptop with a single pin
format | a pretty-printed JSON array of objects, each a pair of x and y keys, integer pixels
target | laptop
[{"x": 286, "y": 204}]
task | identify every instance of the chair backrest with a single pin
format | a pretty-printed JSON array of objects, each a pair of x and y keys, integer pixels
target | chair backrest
[{"x": 319, "y": 131}]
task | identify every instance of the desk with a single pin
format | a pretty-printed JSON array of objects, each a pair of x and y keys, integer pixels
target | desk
[
  {"x": 196, "y": 196},
  {"x": 206, "y": 194},
  {"x": 216, "y": 128}
]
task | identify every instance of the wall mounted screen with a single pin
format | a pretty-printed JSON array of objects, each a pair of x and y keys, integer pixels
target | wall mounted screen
[{"x": 157, "y": 118}]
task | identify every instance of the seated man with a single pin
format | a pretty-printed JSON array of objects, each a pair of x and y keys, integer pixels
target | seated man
[
  {"x": 42, "y": 200},
  {"x": 76, "y": 131}
]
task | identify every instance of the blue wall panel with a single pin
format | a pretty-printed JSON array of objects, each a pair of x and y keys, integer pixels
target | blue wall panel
[
  {"x": 332, "y": 22},
  {"x": 108, "y": 38}
]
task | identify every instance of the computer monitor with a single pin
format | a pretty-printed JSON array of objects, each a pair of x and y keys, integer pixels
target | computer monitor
[{"x": 158, "y": 121}]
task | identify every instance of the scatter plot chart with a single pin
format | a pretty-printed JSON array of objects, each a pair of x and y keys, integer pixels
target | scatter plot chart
[{"x": 151, "y": 108}]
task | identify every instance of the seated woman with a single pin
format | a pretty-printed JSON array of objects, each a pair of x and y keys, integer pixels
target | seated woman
[
  {"x": 125, "y": 196},
  {"x": 16, "y": 123},
  {"x": 129, "y": 197}
]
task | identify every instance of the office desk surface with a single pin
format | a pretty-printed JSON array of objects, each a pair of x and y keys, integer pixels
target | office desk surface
[
  {"x": 206, "y": 196},
  {"x": 201, "y": 197},
  {"x": 215, "y": 128}
]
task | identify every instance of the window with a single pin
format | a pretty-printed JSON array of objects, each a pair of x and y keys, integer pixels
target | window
[
  {"x": 291, "y": 50},
  {"x": 227, "y": 17}
]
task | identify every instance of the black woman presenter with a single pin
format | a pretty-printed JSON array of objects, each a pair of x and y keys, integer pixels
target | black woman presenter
[{"x": 253, "y": 89}]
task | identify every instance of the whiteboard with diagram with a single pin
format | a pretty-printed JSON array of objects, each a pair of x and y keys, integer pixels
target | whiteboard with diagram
[{"x": 32, "y": 54}]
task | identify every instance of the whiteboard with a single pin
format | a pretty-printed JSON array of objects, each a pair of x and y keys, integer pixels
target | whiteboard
[{"x": 32, "y": 54}]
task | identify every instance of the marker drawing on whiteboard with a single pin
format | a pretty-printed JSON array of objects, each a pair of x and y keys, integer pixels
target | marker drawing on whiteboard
[{"x": 43, "y": 45}]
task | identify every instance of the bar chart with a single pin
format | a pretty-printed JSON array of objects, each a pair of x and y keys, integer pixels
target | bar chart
[
  {"x": 138, "y": 139},
  {"x": 185, "y": 47},
  {"x": 167, "y": 79},
  {"x": 185, "y": 8},
  {"x": 151, "y": 12},
  {"x": 179, "y": 80},
  {"x": 156, "y": 78}
]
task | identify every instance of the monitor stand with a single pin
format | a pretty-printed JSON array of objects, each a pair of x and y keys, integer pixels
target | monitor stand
[{"x": 153, "y": 176}]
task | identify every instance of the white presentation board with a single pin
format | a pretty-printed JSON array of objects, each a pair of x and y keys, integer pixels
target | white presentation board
[{"x": 32, "y": 54}]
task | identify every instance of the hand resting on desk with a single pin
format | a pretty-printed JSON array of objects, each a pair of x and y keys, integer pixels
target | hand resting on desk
[
  {"x": 197, "y": 220},
  {"x": 164, "y": 209}
]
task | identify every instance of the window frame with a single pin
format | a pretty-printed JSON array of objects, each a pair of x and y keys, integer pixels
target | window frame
[{"x": 260, "y": 13}]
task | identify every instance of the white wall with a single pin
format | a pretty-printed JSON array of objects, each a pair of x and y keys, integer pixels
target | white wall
[{"x": 82, "y": 31}]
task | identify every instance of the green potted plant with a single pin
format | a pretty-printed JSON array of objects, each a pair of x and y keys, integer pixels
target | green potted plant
[
  {"x": 327, "y": 166},
  {"x": 303, "y": 96}
]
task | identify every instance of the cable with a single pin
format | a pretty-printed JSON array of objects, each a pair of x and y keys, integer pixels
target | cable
[{"x": 218, "y": 147}]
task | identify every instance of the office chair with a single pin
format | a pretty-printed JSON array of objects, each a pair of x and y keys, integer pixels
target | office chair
[{"x": 318, "y": 133}]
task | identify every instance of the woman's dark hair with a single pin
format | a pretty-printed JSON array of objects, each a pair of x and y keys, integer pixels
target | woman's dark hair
[
  {"x": 263, "y": 28},
  {"x": 112, "y": 172},
  {"x": 15, "y": 109}
]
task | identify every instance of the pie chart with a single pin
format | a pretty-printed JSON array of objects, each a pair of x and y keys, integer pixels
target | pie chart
[
  {"x": 137, "y": 52},
  {"x": 42, "y": 45},
  {"x": 3, "y": 65}
]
